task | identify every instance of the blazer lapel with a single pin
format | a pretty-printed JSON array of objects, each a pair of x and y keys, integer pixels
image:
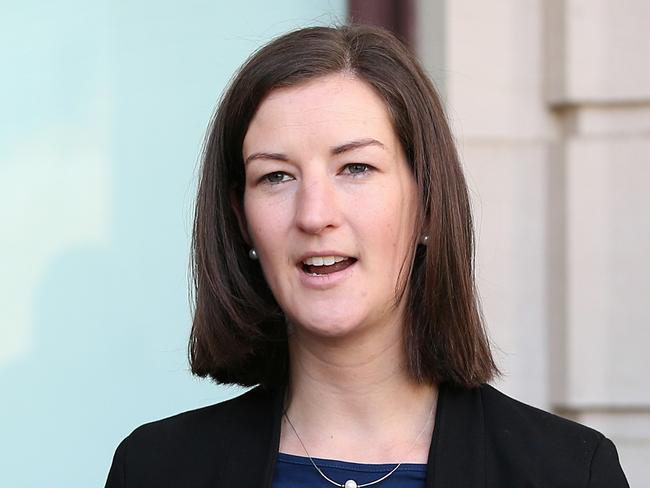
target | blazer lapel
[
  {"x": 457, "y": 453},
  {"x": 254, "y": 440}
]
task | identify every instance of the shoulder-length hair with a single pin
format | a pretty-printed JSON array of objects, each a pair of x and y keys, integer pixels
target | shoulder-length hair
[{"x": 239, "y": 334}]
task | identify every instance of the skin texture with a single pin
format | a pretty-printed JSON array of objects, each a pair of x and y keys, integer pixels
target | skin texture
[
  {"x": 326, "y": 174},
  {"x": 318, "y": 202}
]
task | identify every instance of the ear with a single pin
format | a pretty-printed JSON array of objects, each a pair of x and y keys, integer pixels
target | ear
[{"x": 238, "y": 208}]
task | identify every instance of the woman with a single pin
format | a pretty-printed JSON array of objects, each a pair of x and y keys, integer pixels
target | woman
[{"x": 333, "y": 264}]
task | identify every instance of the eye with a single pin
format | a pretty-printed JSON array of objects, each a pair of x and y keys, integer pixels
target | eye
[
  {"x": 357, "y": 169},
  {"x": 276, "y": 178}
]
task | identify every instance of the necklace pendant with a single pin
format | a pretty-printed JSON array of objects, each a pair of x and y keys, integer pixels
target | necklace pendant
[{"x": 350, "y": 484}]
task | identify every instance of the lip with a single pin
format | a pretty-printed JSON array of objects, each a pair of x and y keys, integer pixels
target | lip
[
  {"x": 326, "y": 281},
  {"x": 320, "y": 254}
]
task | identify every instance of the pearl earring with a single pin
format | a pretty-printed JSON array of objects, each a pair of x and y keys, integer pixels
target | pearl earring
[
  {"x": 253, "y": 254},
  {"x": 424, "y": 240}
]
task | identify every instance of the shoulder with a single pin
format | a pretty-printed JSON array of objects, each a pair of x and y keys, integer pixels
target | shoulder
[
  {"x": 512, "y": 420},
  {"x": 203, "y": 422},
  {"x": 525, "y": 441},
  {"x": 188, "y": 447}
]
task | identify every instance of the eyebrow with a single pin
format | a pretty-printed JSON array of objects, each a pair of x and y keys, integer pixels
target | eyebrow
[
  {"x": 336, "y": 150},
  {"x": 349, "y": 146},
  {"x": 266, "y": 155}
]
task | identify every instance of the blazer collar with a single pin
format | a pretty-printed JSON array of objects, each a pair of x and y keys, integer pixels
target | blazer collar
[
  {"x": 457, "y": 452},
  {"x": 456, "y": 455},
  {"x": 253, "y": 440}
]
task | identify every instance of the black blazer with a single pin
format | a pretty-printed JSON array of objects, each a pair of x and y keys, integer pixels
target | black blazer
[{"x": 481, "y": 438}]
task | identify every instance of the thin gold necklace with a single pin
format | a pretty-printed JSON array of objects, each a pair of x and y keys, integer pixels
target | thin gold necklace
[{"x": 352, "y": 483}]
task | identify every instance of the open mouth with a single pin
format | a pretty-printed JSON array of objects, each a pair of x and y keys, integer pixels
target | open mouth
[{"x": 324, "y": 265}]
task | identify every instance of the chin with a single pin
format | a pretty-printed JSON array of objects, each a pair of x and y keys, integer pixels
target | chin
[{"x": 327, "y": 326}]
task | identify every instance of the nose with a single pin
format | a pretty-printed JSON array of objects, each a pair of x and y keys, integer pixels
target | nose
[{"x": 317, "y": 206}]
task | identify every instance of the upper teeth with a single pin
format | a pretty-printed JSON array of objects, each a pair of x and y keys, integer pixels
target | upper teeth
[{"x": 323, "y": 260}]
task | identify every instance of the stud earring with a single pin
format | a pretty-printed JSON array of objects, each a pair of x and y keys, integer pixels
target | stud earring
[
  {"x": 424, "y": 240},
  {"x": 253, "y": 254}
]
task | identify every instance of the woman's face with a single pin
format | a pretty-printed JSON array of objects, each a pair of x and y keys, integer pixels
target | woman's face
[{"x": 329, "y": 204}]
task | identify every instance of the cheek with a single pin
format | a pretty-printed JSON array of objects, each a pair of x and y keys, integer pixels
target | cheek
[
  {"x": 265, "y": 224},
  {"x": 393, "y": 217},
  {"x": 396, "y": 222},
  {"x": 255, "y": 219}
]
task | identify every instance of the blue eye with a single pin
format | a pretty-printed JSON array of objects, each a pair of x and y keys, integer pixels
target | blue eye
[
  {"x": 276, "y": 177},
  {"x": 357, "y": 168}
]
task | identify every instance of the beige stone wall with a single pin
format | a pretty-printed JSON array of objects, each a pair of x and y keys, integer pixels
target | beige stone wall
[{"x": 550, "y": 102}]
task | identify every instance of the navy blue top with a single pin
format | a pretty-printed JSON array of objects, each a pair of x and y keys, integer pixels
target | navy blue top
[{"x": 297, "y": 472}]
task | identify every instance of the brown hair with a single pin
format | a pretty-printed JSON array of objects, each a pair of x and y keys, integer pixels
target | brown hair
[{"x": 239, "y": 332}]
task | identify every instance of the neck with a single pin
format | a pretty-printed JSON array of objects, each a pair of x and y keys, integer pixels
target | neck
[{"x": 354, "y": 400}]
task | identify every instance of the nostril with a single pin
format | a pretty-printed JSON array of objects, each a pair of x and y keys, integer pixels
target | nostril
[{"x": 317, "y": 208}]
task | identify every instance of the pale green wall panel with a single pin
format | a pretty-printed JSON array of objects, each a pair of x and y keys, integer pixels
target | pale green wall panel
[{"x": 103, "y": 106}]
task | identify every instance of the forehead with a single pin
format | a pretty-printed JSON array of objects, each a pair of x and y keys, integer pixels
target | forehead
[{"x": 334, "y": 107}]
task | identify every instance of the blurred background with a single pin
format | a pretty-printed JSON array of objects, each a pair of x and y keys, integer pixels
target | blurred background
[{"x": 103, "y": 107}]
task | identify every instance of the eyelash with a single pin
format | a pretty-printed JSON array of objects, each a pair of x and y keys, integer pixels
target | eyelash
[
  {"x": 267, "y": 178},
  {"x": 366, "y": 169}
]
